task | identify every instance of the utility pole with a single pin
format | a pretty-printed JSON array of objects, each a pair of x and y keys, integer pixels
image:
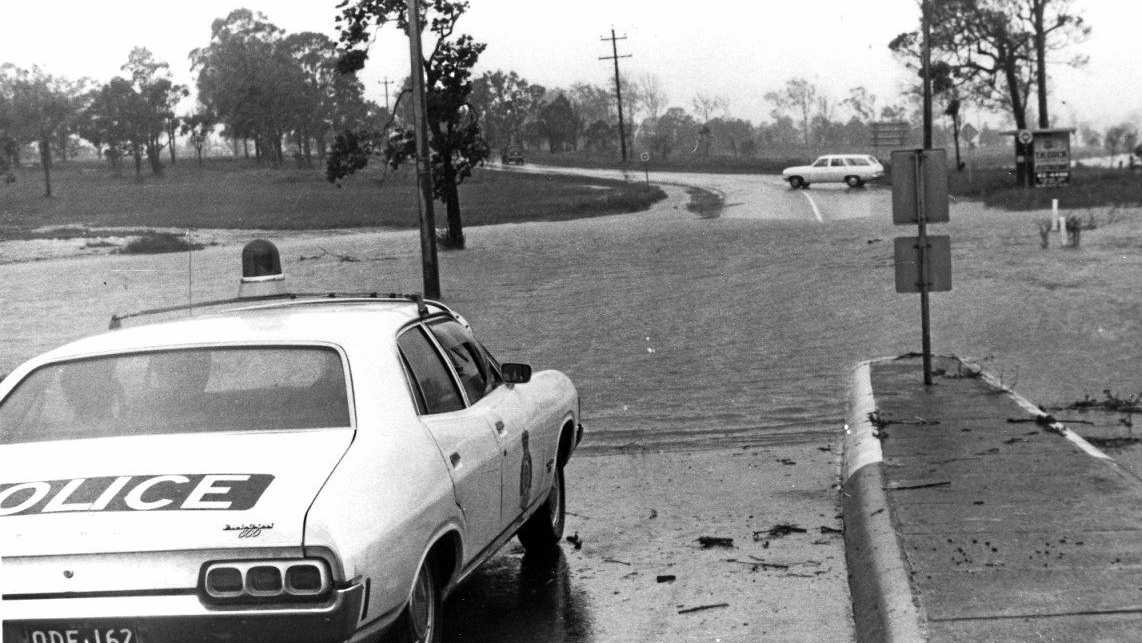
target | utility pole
[
  {"x": 423, "y": 171},
  {"x": 386, "y": 82},
  {"x": 926, "y": 69},
  {"x": 618, "y": 88}
]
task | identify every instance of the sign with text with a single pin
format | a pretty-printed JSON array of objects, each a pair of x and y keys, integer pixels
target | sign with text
[
  {"x": 937, "y": 260},
  {"x": 1051, "y": 157},
  {"x": 891, "y": 133},
  {"x": 928, "y": 171}
]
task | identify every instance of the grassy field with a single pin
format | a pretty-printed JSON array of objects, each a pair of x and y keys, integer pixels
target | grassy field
[{"x": 237, "y": 194}]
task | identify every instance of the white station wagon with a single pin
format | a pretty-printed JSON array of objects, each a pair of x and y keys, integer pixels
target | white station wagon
[
  {"x": 853, "y": 170},
  {"x": 312, "y": 469}
]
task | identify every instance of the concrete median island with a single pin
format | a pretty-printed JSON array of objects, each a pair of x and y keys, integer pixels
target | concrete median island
[{"x": 972, "y": 515}]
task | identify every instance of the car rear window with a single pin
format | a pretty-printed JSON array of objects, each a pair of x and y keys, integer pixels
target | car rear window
[
  {"x": 857, "y": 161},
  {"x": 181, "y": 391}
]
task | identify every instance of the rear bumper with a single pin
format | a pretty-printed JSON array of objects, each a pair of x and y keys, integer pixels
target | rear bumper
[{"x": 182, "y": 618}]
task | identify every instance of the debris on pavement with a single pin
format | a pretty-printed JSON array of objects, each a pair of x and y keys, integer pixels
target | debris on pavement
[
  {"x": 915, "y": 484},
  {"x": 778, "y": 531},
  {"x": 715, "y": 541},
  {"x": 575, "y": 540},
  {"x": 699, "y": 608},
  {"x": 616, "y": 560},
  {"x": 665, "y": 578},
  {"x": 825, "y": 529}
]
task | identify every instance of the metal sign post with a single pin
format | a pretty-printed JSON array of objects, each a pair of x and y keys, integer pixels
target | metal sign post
[
  {"x": 923, "y": 263},
  {"x": 645, "y": 156}
]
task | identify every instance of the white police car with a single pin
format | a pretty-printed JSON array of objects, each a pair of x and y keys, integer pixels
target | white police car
[{"x": 295, "y": 469}]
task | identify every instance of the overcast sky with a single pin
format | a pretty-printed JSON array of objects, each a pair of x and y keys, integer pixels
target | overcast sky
[{"x": 736, "y": 49}]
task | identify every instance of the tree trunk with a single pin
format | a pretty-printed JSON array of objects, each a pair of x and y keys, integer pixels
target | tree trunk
[
  {"x": 1038, "y": 8},
  {"x": 154, "y": 155},
  {"x": 246, "y": 147},
  {"x": 138, "y": 154},
  {"x": 171, "y": 140},
  {"x": 452, "y": 206},
  {"x": 46, "y": 162}
]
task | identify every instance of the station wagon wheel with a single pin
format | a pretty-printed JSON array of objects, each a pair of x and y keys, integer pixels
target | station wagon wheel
[
  {"x": 853, "y": 181},
  {"x": 422, "y": 620},
  {"x": 796, "y": 182},
  {"x": 544, "y": 528}
]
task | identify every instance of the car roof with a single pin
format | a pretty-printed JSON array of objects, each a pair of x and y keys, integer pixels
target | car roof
[{"x": 323, "y": 321}]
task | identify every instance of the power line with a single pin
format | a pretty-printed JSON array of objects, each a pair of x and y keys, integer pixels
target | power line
[{"x": 618, "y": 87}]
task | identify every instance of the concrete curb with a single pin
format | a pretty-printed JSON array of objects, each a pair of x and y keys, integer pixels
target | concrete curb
[{"x": 884, "y": 608}]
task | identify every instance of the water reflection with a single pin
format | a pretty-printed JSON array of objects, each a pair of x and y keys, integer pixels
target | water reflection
[{"x": 516, "y": 597}]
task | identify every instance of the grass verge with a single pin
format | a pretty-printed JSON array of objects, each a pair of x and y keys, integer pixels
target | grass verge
[{"x": 238, "y": 194}]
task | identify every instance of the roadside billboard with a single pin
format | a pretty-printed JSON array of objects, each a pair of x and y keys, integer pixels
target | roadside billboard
[{"x": 1051, "y": 157}]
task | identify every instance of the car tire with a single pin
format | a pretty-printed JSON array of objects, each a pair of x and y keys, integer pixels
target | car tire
[
  {"x": 422, "y": 620},
  {"x": 853, "y": 181},
  {"x": 796, "y": 182},
  {"x": 544, "y": 529}
]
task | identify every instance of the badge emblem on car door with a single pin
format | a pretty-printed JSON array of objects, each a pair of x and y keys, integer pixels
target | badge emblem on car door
[{"x": 525, "y": 473}]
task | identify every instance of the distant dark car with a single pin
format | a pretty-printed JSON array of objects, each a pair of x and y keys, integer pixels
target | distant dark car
[{"x": 512, "y": 155}]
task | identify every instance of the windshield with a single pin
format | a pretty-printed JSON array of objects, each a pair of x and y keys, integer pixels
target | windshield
[{"x": 196, "y": 390}]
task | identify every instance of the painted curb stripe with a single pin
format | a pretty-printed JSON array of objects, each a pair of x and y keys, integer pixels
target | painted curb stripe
[{"x": 884, "y": 608}]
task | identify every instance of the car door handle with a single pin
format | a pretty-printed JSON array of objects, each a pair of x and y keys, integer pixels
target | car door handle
[
  {"x": 454, "y": 459},
  {"x": 500, "y": 427}
]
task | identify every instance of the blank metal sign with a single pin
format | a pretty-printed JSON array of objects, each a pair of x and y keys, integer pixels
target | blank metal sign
[{"x": 939, "y": 259}]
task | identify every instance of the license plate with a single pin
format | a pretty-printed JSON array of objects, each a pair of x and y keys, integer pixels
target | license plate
[{"x": 81, "y": 635}]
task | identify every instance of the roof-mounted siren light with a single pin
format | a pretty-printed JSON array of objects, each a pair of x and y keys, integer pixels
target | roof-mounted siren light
[{"x": 261, "y": 270}]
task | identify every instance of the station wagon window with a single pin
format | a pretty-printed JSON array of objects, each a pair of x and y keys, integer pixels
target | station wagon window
[
  {"x": 821, "y": 162},
  {"x": 857, "y": 161},
  {"x": 468, "y": 358},
  {"x": 179, "y": 391},
  {"x": 436, "y": 391},
  {"x": 837, "y": 162}
]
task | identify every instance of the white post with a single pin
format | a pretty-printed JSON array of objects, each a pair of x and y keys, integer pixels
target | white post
[{"x": 1060, "y": 225}]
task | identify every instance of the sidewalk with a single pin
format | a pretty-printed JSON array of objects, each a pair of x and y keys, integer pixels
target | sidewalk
[{"x": 964, "y": 526}]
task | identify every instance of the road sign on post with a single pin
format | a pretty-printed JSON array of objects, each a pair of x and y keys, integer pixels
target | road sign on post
[
  {"x": 906, "y": 194},
  {"x": 923, "y": 263},
  {"x": 937, "y": 271}
]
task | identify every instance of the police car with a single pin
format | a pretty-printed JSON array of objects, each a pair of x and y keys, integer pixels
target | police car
[{"x": 274, "y": 468}]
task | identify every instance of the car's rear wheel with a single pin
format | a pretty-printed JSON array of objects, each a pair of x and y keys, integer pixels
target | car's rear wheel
[
  {"x": 544, "y": 528},
  {"x": 422, "y": 620},
  {"x": 796, "y": 182},
  {"x": 853, "y": 181}
]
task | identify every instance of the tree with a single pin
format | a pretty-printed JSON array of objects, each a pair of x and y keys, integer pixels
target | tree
[
  {"x": 862, "y": 104},
  {"x": 651, "y": 96},
  {"x": 600, "y": 136},
  {"x": 732, "y": 135},
  {"x": 674, "y": 130},
  {"x": 197, "y": 128},
  {"x": 1054, "y": 25},
  {"x": 995, "y": 50},
  {"x": 37, "y": 105},
  {"x": 1115, "y": 137},
  {"x": 503, "y": 102},
  {"x": 800, "y": 96},
  {"x": 159, "y": 96},
  {"x": 559, "y": 123},
  {"x": 455, "y": 138}
]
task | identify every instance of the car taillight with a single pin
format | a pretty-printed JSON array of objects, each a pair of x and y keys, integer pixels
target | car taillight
[
  {"x": 224, "y": 582},
  {"x": 264, "y": 580},
  {"x": 304, "y": 579}
]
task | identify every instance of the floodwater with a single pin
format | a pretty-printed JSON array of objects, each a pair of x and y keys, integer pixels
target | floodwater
[{"x": 683, "y": 331}]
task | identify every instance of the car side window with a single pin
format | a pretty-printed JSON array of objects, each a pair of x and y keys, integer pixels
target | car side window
[
  {"x": 857, "y": 162},
  {"x": 837, "y": 162},
  {"x": 821, "y": 163},
  {"x": 437, "y": 390},
  {"x": 466, "y": 356}
]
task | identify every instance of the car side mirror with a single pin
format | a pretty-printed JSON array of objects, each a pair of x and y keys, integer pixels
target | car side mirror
[{"x": 516, "y": 373}]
